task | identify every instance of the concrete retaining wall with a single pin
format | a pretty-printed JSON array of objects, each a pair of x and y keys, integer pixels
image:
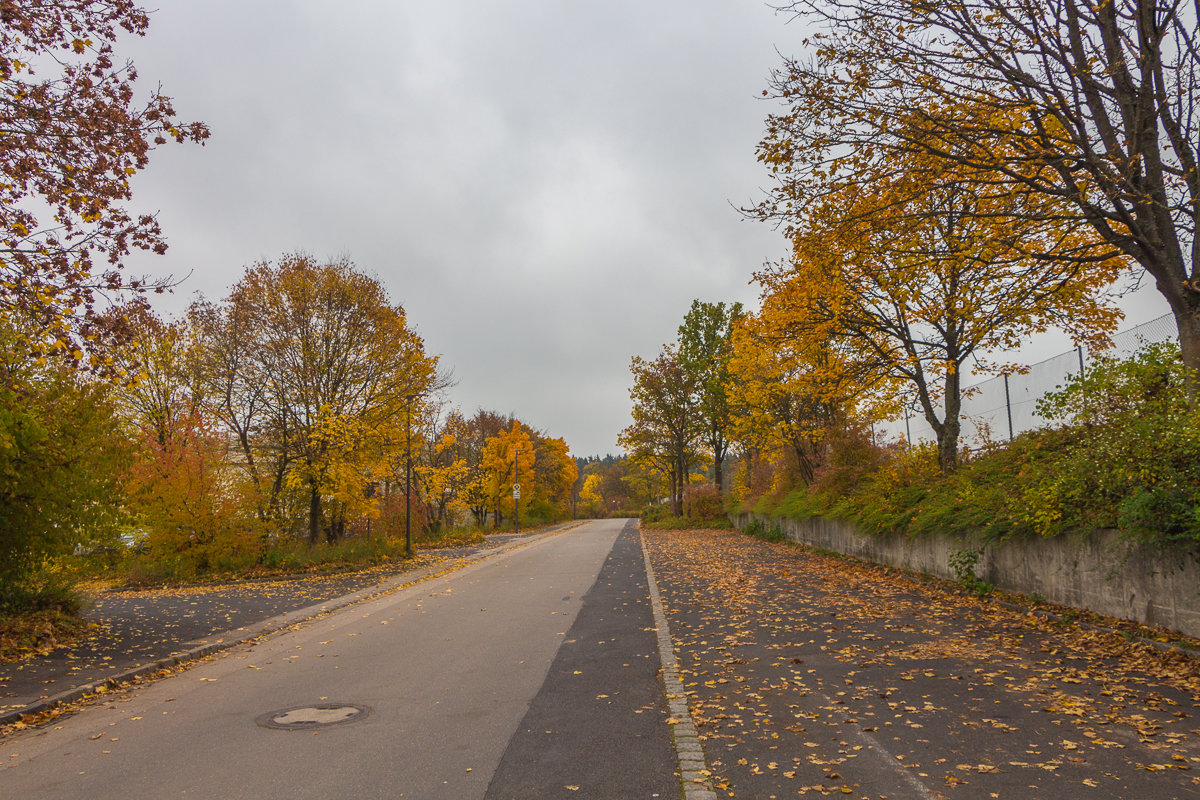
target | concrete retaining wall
[{"x": 1099, "y": 572}]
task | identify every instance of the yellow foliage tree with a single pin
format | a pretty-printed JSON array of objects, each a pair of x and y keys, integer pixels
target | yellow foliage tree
[
  {"x": 507, "y": 458},
  {"x": 554, "y": 474},
  {"x": 589, "y": 496},
  {"x": 339, "y": 363},
  {"x": 919, "y": 271},
  {"x": 446, "y": 472},
  {"x": 789, "y": 392}
]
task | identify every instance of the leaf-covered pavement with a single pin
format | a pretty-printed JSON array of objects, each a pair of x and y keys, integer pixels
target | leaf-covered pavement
[
  {"x": 810, "y": 675},
  {"x": 143, "y": 626}
]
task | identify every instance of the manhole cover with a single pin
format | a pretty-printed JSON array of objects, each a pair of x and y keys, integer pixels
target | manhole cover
[{"x": 320, "y": 715}]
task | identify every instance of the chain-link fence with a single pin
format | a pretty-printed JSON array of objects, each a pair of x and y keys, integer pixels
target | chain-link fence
[{"x": 999, "y": 408}]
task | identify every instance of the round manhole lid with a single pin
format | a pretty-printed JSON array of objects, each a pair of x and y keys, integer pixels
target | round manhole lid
[{"x": 319, "y": 715}]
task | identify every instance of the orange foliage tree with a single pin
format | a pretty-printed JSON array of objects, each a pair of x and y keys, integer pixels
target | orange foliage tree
[
  {"x": 789, "y": 393},
  {"x": 919, "y": 271},
  {"x": 1087, "y": 112},
  {"x": 188, "y": 501},
  {"x": 74, "y": 136}
]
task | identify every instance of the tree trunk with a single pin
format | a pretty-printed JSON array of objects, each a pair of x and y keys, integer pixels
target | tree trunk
[
  {"x": 719, "y": 466},
  {"x": 947, "y": 445},
  {"x": 337, "y": 528},
  {"x": 805, "y": 465},
  {"x": 314, "y": 514},
  {"x": 947, "y": 433},
  {"x": 1187, "y": 322},
  {"x": 676, "y": 490}
]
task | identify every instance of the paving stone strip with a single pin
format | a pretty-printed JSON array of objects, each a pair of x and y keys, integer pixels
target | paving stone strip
[{"x": 693, "y": 770}]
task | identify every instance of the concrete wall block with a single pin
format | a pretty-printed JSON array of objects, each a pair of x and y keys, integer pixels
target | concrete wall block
[{"x": 1101, "y": 571}]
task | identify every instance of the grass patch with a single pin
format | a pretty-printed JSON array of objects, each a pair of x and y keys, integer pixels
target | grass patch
[{"x": 282, "y": 557}]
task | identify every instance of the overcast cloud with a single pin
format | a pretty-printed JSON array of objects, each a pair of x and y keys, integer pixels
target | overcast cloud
[{"x": 543, "y": 185}]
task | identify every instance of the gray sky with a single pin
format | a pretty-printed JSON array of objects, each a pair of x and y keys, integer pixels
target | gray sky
[{"x": 543, "y": 185}]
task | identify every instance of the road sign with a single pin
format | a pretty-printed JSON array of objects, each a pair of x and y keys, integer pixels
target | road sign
[
  {"x": 516, "y": 487},
  {"x": 517, "y": 495}
]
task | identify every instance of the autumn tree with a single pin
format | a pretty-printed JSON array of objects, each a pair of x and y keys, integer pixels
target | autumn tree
[
  {"x": 227, "y": 368},
  {"x": 63, "y": 462},
  {"x": 921, "y": 272},
  {"x": 666, "y": 427},
  {"x": 704, "y": 349},
  {"x": 508, "y": 456},
  {"x": 341, "y": 367},
  {"x": 553, "y": 477},
  {"x": 184, "y": 492},
  {"x": 160, "y": 389},
  {"x": 790, "y": 392},
  {"x": 74, "y": 135},
  {"x": 475, "y": 494},
  {"x": 1089, "y": 110},
  {"x": 189, "y": 500},
  {"x": 445, "y": 470},
  {"x": 590, "y": 497}
]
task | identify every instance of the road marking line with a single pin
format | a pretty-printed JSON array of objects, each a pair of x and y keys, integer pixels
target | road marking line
[{"x": 693, "y": 768}]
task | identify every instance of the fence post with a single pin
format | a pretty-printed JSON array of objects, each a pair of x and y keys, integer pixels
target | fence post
[{"x": 1008, "y": 407}]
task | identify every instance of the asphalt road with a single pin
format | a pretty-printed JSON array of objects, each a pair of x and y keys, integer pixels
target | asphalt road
[
  {"x": 144, "y": 626},
  {"x": 534, "y": 673},
  {"x": 455, "y": 676}
]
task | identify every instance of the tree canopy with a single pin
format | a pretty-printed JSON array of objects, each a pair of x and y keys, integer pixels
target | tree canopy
[
  {"x": 1086, "y": 111},
  {"x": 74, "y": 135}
]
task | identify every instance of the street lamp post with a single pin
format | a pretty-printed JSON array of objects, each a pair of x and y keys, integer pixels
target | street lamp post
[{"x": 408, "y": 551}]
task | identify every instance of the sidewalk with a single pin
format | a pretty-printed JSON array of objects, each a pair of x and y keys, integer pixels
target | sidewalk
[
  {"x": 809, "y": 675},
  {"x": 145, "y": 630}
]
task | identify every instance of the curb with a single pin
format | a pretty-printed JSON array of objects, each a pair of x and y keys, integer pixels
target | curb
[
  {"x": 198, "y": 649},
  {"x": 693, "y": 769}
]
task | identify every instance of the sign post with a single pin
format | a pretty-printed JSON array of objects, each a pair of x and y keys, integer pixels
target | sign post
[{"x": 517, "y": 490}]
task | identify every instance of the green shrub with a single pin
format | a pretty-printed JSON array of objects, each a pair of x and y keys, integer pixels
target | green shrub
[
  {"x": 767, "y": 531},
  {"x": 1129, "y": 451},
  {"x": 656, "y": 513},
  {"x": 1125, "y": 454},
  {"x": 962, "y": 566},
  {"x": 62, "y": 461}
]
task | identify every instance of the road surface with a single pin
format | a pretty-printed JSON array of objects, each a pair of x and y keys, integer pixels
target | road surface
[
  {"x": 497, "y": 681},
  {"x": 535, "y": 673}
]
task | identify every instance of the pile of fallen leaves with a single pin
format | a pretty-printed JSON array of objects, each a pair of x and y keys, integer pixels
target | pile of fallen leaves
[{"x": 39, "y": 632}]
